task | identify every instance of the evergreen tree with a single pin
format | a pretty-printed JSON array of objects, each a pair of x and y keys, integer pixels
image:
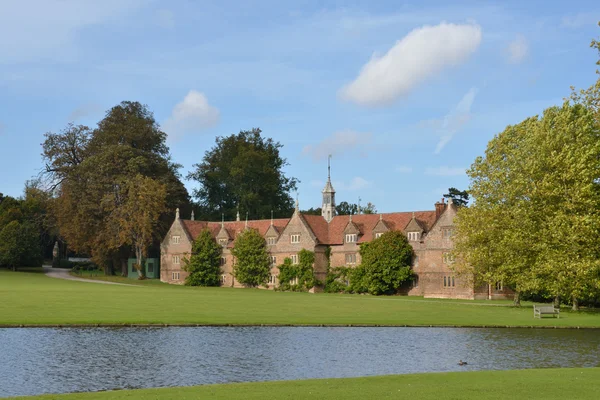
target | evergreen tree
[
  {"x": 204, "y": 264},
  {"x": 252, "y": 265}
]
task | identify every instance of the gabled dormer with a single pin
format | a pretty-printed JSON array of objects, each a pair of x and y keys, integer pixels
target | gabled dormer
[
  {"x": 223, "y": 237},
  {"x": 351, "y": 232},
  {"x": 380, "y": 228},
  {"x": 414, "y": 230},
  {"x": 272, "y": 235}
]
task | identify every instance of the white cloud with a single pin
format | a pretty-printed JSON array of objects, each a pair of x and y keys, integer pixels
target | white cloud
[
  {"x": 165, "y": 18},
  {"x": 454, "y": 120},
  {"x": 518, "y": 50},
  {"x": 341, "y": 142},
  {"x": 445, "y": 171},
  {"x": 192, "y": 114},
  {"x": 421, "y": 54},
  {"x": 357, "y": 183},
  {"x": 404, "y": 169}
]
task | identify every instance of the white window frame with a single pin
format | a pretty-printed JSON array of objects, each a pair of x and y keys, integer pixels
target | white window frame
[
  {"x": 223, "y": 261},
  {"x": 223, "y": 278},
  {"x": 272, "y": 279},
  {"x": 294, "y": 258},
  {"x": 175, "y": 276},
  {"x": 294, "y": 281},
  {"x": 449, "y": 281},
  {"x": 447, "y": 258},
  {"x": 223, "y": 242},
  {"x": 273, "y": 260},
  {"x": 176, "y": 260},
  {"x": 378, "y": 235},
  {"x": 447, "y": 233},
  {"x": 295, "y": 238},
  {"x": 499, "y": 286},
  {"x": 271, "y": 240},
  {"x": 414, "y": 236},
  {"x": 350, "y": 258},
  {"x": 351, "y": 237},
  {"x": 175, "y": 239}
]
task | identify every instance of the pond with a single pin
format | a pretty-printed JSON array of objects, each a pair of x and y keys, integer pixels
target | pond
[{"x": 48, "y": 360}]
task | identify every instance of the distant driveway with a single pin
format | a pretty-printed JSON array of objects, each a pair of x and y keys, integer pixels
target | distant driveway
[{"x": 61, "y": 273}]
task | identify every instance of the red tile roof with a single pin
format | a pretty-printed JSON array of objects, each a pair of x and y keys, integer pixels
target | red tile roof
[{"x": 331, "y": 233}]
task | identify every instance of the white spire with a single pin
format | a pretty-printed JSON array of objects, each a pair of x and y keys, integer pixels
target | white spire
[
  {"x": 222, "y": 220},
  {"x": 350, "y": 217},
  {"x": 358, "y": 211},
  {"x": 177, "y": 213},
  {"x": 380, "y": 217},
  {"x": 271, "y": 217},
  {"x": 192, "y": 215},
  {"x": 246, "y": 226},
  {"x": 237, "y": 215},
  {"x": 297, "y": 203}
]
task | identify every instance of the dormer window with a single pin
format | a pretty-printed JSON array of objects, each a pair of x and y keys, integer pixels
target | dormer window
[
  {"x": 271, "y": 240},
  {"x": 447, "y": 233},
  {"x": 223, "y": 242},
  {"x": 351, "y": 237},
  {"x": 414, "y": 236},
  {"x": 378, "y": 235},
  {"x": 295, "y": 238},
  {"x": 176, "y": 239}
]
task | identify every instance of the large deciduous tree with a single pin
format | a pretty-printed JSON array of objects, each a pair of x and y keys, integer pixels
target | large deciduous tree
[
  {"x": 243, "y": 172},
  {"x": 252, "y": 266},
  {"x": 92, "y": 171},
  {"x": 203, "y": 266}
]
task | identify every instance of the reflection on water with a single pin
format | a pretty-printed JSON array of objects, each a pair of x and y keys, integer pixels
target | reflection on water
[{"x": 35, "y": 361}]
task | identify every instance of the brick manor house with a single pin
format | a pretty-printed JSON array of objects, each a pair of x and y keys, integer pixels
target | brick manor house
[{"x": 429, "y": 233}]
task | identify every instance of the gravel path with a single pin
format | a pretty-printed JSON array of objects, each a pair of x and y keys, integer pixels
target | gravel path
[{"x": 64, "y": 274}]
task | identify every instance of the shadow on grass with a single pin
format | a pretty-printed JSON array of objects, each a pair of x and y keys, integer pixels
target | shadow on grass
[{"x": 37, "y": 270}]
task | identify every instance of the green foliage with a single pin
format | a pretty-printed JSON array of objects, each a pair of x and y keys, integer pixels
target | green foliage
[
  {"x": 252, "y": 265},
  {"x": 245, "y": 172},
  {"x": 386, "y": 264},
  {"x": 345, "y": 208},
  {"x": 20, "y": 245},
  {"x": 298, "y": 277},
  {"x": 312, "y": 211},
  {"x": 459, "y": 197},
  {"x": 204, "y": 264},
  {"x": 338, "y": 280}
]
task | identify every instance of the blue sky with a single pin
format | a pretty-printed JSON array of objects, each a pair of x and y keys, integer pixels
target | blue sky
[{"x": 404, "y": 95}]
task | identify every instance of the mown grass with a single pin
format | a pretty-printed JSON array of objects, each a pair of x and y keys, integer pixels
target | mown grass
[
  {"x": 28, "y": 298},
  {"x": 548, "y": 384}
]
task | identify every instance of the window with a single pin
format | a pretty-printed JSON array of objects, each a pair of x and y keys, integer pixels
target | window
[
  {"x": 273, "y": 260},
  {"x": 294, "y": 258},
  {"x": 499, "y": 285},
  {"x": 448, "y": 281},
  {"x": 351, "y": 258},
  {"x": 176, "y": 259},
  {"x": 448, "y": 258},
  {"x": 414, "y": 236},
  {"x": 351, "y": 237},
  {"x": 272, "y": 279},
  {"x": 294, "y": 281},
  {"x": 175, "y": 276},
  {"x": 416, "y": 260},
  {"x": 378, "y": 235},
  {"x": 150, "y": 267},
  {"x": 176, "y": 239},
  {"x": 415, "y": 282},
  {"x": 223, "y": 279},
  {"x": 447, "y": 233},
  {"x": 223, "y": 261},
  {"x": 271, "y": 240},
  {"x": 223, "y": 242},
  {"x": 295, "y": 238}
]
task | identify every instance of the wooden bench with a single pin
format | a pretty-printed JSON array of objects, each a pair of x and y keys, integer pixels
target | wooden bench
[{"x": 539, "y": 310}]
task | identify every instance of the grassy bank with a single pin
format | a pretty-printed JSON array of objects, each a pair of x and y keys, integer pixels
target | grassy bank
[
  {"x": 29, "y": 298},
  {"x": 545, "y": 384}
]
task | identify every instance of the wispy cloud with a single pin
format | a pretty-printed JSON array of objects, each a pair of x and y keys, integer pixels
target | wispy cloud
[
  {"x": 453, "y": 121},
  {"x": 575, "y": 21},
  {"x": 445, "y": 171},
  {"x": 84, "y": 111},
  {"x": 194, "y": 113},
  {"x": 404, "y": 169},
  {"x": 356, "y": 183},
  {"x": 421, "y": 54},
  {"x": 341, "y": 142},
  {"x": 517, "y": 50}
]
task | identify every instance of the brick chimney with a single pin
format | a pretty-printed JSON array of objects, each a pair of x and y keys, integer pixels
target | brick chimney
[{"x": 439, "y": 208}]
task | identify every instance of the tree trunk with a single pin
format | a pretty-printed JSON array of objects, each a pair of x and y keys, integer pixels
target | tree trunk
[
  {"x": 575, "y": 304},
  {"x": 557, "y": 301},
  {"x": 489, "y": 291},
  {"x": 517, "y": 299},
  {"x": 123, "y": 262}
]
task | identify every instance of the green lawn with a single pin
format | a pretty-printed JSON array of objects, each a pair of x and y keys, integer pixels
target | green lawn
[
  {"x": 30, "y": 298},
  {"x": 548, "y": 384}
]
